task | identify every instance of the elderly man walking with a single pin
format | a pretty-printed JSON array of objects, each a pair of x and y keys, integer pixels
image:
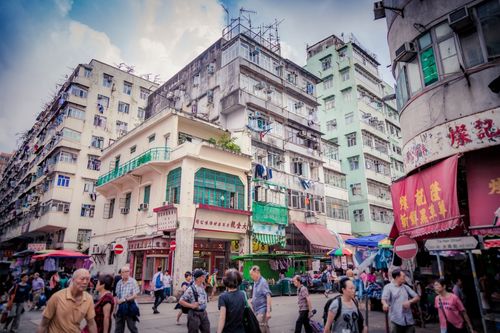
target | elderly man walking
[
  {"x": 127, "y": 290},
  {"x": 261, "y": 299},
  {"x": 67, "y": 308}
]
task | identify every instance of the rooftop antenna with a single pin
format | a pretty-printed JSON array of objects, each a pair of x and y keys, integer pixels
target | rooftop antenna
[
  {"x": 228, "y": 17},
  {"x": 248, "y": 18}
]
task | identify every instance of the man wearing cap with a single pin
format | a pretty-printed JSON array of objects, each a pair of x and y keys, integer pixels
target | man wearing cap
[{"x": 195, "y": 298}]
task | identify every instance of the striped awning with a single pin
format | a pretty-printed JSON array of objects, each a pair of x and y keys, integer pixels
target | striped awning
[{"x": 270, "y": 239}]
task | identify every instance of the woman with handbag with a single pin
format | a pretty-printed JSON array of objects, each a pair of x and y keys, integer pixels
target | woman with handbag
[
  {"x": 19, "y": 294},
  {"x": 452, "y": 314},
  {"x": 232, "y": 304}
]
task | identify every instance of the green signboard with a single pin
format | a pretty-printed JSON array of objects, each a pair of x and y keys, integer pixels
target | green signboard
[{"x": 429, "y": 68}]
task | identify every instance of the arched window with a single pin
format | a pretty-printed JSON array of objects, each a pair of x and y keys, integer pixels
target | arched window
[
  {"x": 174, "y": 186},
  {"x": 218, "y": 189}
]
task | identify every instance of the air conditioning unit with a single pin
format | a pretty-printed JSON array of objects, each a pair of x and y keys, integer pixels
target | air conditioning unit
[
  {"x": 310, "y": 214},
  {"x": 269, "y": 89},
  {"x": 66, "y": 210},
  {"x": 406, "y": 52},
  {"x": 124, "y": 210},
  {"x": 260, "y": 85},
  {"x": 165, "y": 203},
  {"x": 298, "y": 105},
  {"x": 143, "y": 206},
  {"x": 460, "y": 19},
  {"x": 211, "y": 68},
  {"x": 302, "y": 134}
]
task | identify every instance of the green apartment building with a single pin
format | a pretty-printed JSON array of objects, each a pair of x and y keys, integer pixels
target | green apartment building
[{"x": 359, "y": 114}]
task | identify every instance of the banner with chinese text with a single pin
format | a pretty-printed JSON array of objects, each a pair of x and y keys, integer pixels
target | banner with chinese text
[
  {"x": 426, "y": 202},
  {"x": 483, "y": 189}
]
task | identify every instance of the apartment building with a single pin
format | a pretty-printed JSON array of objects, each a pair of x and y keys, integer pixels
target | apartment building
[
  {"x": 48, "y": 188},
  {"x": 358, "y": 114},
  {"x": 4, "y": 160}
]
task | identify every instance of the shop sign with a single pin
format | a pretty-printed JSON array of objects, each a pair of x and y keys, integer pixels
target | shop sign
[
  {"x": 483, "y": 189},
  {"x": 426, "y": 202},
  {"x": 156, "y": 243},
  {"x": 268, "y": 229},
  {"x": 206, "y": 245},
  {"x": 256, "y": 247},
  {"x": 167, "y": 219},
  {"x": 453, "y": 243},
  {"x": 465, "y": 134},
  {"x": 37, "y": 247},
  {"x": 214, "y": 220}
]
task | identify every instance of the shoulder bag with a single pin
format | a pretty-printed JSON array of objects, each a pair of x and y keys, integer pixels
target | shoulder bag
[
  {"x": 250, "y": 322},
  {"x": 450, "y": 328}
]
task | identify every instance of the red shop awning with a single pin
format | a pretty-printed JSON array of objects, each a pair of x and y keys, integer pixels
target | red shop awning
[
  {"x": 426, "y": 202},
  {"x": 318, "y": 235}
]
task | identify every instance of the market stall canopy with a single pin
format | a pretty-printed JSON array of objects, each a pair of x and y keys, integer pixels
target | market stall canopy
[
  {"x": 366, "y": 241},
  {"x": 60, "y": 254},
  {"x": 318, "y": 235},
  {"x": 341, "y": 251},
  {"x": 24, "y": 253}
]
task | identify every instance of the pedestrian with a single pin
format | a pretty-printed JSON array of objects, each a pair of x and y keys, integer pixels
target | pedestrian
[
  {"x": 19, "y": 294},
  {"x": 64, "y": 281},
  {"x": 195, "y": 298},
  {"x": 158, "y": 289},
  {"x": 54, "y": 284},
  {"x": 343, "y": 312},
  {"x": 105, "y": 305},
  {"x": 397, "y": 299},
  {"x": 167, "y": 283},
  {"x": 261, "y": 299},
  {"x": 452, "y": 314},
  {"x": 326, "y": 280},
  {"x": 305, "y": 306},
  {"x": 213, "y": 283},
  {"x": 459, "y": 291},
  {"x": 184, "y": 285},
  {"x": 117, "y": 278},
  {"x": 232, "y": 304},
  {"x": 37, "y": 289},
  {"x": 126, "y": 293},
  {"x": 67, "y": 308}
]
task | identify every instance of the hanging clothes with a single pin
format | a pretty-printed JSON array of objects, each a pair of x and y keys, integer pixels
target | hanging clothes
[
  {"x": 269, "y": 173},
  {"x": 49, "y": 265}
]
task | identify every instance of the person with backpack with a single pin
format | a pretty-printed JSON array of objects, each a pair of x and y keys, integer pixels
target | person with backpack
[
  {"x": 343, "y": 312},
  {"x": 326, "y": 277},
  {"x": 305, "y": 306},
  {"x": 158, "y": 290},
  {"x": 184, "y": 285},
  {"x": 397, "y": 298},
  {"x": 18, "y": 296},
  {"x": 195, "y": 298}
]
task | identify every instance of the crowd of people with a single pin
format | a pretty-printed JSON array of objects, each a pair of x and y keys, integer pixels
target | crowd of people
[{"x": 67, "y": 300}]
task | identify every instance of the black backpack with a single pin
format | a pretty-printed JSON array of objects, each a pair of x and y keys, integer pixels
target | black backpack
[
  {"x": 324, "y": 277},
  {"x": 360, "y": 320}
]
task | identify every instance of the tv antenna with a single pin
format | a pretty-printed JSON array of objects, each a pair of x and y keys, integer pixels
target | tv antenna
[{"x": 247, "y": 18}]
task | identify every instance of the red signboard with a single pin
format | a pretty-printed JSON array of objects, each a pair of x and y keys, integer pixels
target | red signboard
[
  {"x": 172, "y": 245},
  {"x": 118, "y": 249},
  {"x": 426, "y": 202},
  {"x": 405, "y": 247},
  {"x": 221, "y": 219},
  {"x": 483, "y": 189}
]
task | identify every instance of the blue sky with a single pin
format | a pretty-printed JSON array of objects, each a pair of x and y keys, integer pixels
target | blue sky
[{"x": 42, "y": 40}]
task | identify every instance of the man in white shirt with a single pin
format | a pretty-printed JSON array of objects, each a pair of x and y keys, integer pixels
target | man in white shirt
[
  {"x": 157, "y": 283},
  {"x": 167, "y": 283}
]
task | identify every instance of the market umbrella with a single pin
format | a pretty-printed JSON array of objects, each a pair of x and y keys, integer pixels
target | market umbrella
[
  {"x": 385, "y": 243},
  {"x": 341, "y": 251},
  {"x": 60, "y": 254}
]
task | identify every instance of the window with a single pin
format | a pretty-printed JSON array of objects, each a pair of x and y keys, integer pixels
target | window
[
  {"x": 87, "y": 210},
  {"x": 78, "y": 91},
  {"x": 329, "y": 102},
  {"x": 353, "y": 162},
  {"x": 123, "y": 107},
  {"x": 447, "y": 49},
  {"x": 66, "y": 157},
  {"x": 62, "y": 181},
  {"x": 328, "y": 82},
  {"x": 125, "y": 202},
  {"x": 427, "y": 59},
  {"x": 147, "y": 194},
  {"x": 111, "y": 258},
  {"x": 488, "y": 14},
  {"x": 344, "y": 74},
  {"x": 151, "y": 138},
  {"x": 133, "y": 149},
  {"x": 335, "y": 179},
  {"x": 100, "y": 121},
  {"x": 89, "y": 185},
  {"x": 471, "y": 48},
  {"x": 218, "y": 189},
  {"x": 83, "y": 235},
  {"x": 351, "y": 139},
  {"x": 70, "y": 134},
  {"x": 326, "y": 63},
  {"x": 144, "y": 94},
  {"x": 103, "y": 101},
  {"x": 121, "y": 128},
  {"x": 75, "y": 113},
  {"x": 347, "y": 94},
  {"x": 107, "y": 80},
  {"x": 274, "y": 160},
  {"x": 97, "y": 142},
  {"x": 291, "y": 77},
  {"x": 356, "y": 189},
  {"x": 141, "y": 113},
  {"x": 87, "y": 72},
  {"x": 93, "y": 163},
  {"x": 358, "y": 215},
  {"x": 183, "y": 137},
  {"x": 109, "y": 208},
  {"x": 127, "y": 88},
  {"x": 298, "y": 167},
  {"x": 331, "y": 125},
  {"x": 337, "y": 209},
  {"x": 349, "y": 118},
  {"x": 413, "y": 72},
  {"x": 174, "y": 186}
]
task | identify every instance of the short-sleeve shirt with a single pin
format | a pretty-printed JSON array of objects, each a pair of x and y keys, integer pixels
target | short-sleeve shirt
[
  {"x": 395, "y": 296},
  {"x": 453, "y": 308},
  {"x": 188, "y": 296},
  {"x": 167, "y": 281},
  {"x": 38, "y": 284},
  {"x": 259, "y": 296},
  {"x": 127, "y": 289},
  {"x": 234, "y": 302},
  {"x": 302, "y": 299},
  {"x": 22, "y": 293},
  {"x": 66, "y": 314},
  {"x": 347, "y": 320}
]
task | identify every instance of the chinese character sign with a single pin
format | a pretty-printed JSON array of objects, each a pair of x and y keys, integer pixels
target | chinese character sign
[
  {"x": 426, "y": 202},
  {"x": 483, "y": 189}
]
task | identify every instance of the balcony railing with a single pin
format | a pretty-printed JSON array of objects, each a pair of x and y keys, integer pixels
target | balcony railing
[{"x": 153, "y": 154}]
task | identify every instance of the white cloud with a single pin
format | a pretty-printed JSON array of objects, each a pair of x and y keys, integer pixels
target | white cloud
[{"x": 64, "y": 6}]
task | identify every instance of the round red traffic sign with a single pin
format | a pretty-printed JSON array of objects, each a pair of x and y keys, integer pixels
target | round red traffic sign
[
  {"x": 405, "y": 247},
  {"x": 172, "y": 245},
  {"x": 118, "y": 249}
]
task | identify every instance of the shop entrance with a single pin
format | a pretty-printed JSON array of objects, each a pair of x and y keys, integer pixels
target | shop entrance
[{"x": 210, "y": 254}]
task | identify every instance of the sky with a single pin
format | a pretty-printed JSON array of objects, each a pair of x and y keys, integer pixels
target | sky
[{"x": 42, "y": 41}]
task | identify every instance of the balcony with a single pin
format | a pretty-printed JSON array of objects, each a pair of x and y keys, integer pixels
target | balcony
[
  {"x": 377, "y": 153},
  {"x": 368, "y": 85},
  {"x": 373, "y": 128},
  {"x": 379, "y": 177},
  {"x": 382, "y": 200},
  {"x": 154, "y": 154},
  {"x": 269, "y": 213}
]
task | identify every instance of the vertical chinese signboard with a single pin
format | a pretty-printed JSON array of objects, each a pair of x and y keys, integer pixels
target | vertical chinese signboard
[
  {"x": 426, "y": 202},
  {"x": 483, "y": 187}
]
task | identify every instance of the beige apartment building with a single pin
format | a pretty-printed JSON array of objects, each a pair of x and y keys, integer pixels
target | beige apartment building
[{"x": 47, "y": 193}]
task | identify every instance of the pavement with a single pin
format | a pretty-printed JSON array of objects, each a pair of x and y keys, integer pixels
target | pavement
[{"x": 283, "y": 318}]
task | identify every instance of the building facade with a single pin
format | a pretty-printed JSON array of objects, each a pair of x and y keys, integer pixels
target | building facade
[
  {"x": 4, "y": 160},
  {"x": 445, "y": 58},
  {"x": 357, "y": 113},
  {"x": 48, "y": 188}
]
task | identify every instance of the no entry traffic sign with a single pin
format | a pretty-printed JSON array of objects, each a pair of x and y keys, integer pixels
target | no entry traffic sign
[
  {"x": 118, "y": 249},
  {"x": 172, "y": 245},
  {"x": 405, "y": 247}
]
